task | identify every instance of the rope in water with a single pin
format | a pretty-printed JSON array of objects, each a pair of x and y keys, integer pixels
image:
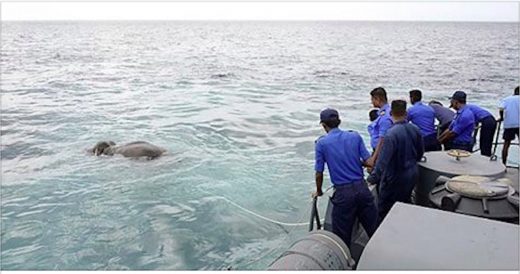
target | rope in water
[
  {"x": 263, "y": 217},
  {"x": 282, "y": 243},
  {"x": 293, "y": 225},
  {"x": 260, "y": 216}
]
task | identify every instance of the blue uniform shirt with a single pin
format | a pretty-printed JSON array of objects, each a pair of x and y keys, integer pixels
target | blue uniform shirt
[
  {"x": 344, "y": 152},
  {"x": 463, "y": 125},
  {"x": 423, "y": 116},
  {"x": 373, "y": 136},
  {"x": 382, "y": 123},
  {"x": 478, "y": 112},
  {"x": 511, "y": 106}
]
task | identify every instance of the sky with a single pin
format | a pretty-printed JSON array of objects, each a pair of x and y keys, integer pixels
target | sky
[{"x": 380, "y": 11}]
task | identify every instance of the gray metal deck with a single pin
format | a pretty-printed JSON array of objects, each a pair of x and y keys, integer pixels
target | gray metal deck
[
  {"x": 512, "y": 174},
  {"x": 418, "y": 238}
]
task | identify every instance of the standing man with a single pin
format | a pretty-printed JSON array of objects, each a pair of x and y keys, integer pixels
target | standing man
[
  {"x": 443, "y": 114},
  {"x": 487, "y": 129},
  {"x": 345, "y": 153},
  {"x": 510, "y": 107},
  {"x": 382, "y": 123},
  {"x": 396, "y": 169},
  {"x": 459, "y": 133},
  {"x": 423, "y": 116}
]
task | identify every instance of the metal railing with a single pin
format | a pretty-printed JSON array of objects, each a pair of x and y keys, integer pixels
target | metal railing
[
  {"x": 314, "y": 215},
  {"x": 495, "y": 143}
]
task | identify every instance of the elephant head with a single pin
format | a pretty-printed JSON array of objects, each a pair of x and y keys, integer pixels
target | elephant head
[{"x": 103, "y": 147}]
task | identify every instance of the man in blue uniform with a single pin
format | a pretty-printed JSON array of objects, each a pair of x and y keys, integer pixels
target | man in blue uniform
[
  {"x": 487, "y": 130},
  {"x": 423, "y": 116},
  {"x": 510, "y": 106},
  {"x": 459, "y": 134},
  {"x": 396, "y": 169},
  {"x": 382, "y": 123},
  {"x": 344, "y": 152}
]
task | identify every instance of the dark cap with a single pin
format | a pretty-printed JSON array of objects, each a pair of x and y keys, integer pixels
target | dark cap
[
  {"x": 459, "y": 96},
  {"x": 329, "y": 114}
]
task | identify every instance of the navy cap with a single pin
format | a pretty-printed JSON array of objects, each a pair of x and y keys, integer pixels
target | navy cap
[
  {"x": 328, "y": 114},
  {"x": 459, "y": 96}
]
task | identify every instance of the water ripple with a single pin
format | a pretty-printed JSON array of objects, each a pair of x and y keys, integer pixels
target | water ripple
[{"x": 235, "y": 104}]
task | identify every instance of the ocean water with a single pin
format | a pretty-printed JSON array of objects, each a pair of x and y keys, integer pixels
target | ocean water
[{"x": 236, "y": 104}]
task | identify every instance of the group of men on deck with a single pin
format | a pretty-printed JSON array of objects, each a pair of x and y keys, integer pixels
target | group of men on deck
[{"x": 398, "y": 137}]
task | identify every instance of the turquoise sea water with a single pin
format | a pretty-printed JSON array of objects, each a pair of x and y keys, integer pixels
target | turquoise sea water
[{"x": 235, "y": 103}]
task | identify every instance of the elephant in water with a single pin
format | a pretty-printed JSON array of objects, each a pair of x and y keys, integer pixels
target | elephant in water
[{"x": 133, "y": 149}]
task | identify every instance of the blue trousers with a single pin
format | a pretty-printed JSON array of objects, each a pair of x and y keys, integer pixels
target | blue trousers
[
  {"x": 455, "y": 145},
  {"x": 431, "y": 143},
  {"x": 487, "y": 132},
  {"x": 397, "y": 190},
  {"x": 351, "y": 201}
]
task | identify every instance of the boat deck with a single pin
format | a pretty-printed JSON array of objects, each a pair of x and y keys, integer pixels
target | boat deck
[
  {"x": 440, "y": 240},
  {"x": 512, "y": 174}
]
